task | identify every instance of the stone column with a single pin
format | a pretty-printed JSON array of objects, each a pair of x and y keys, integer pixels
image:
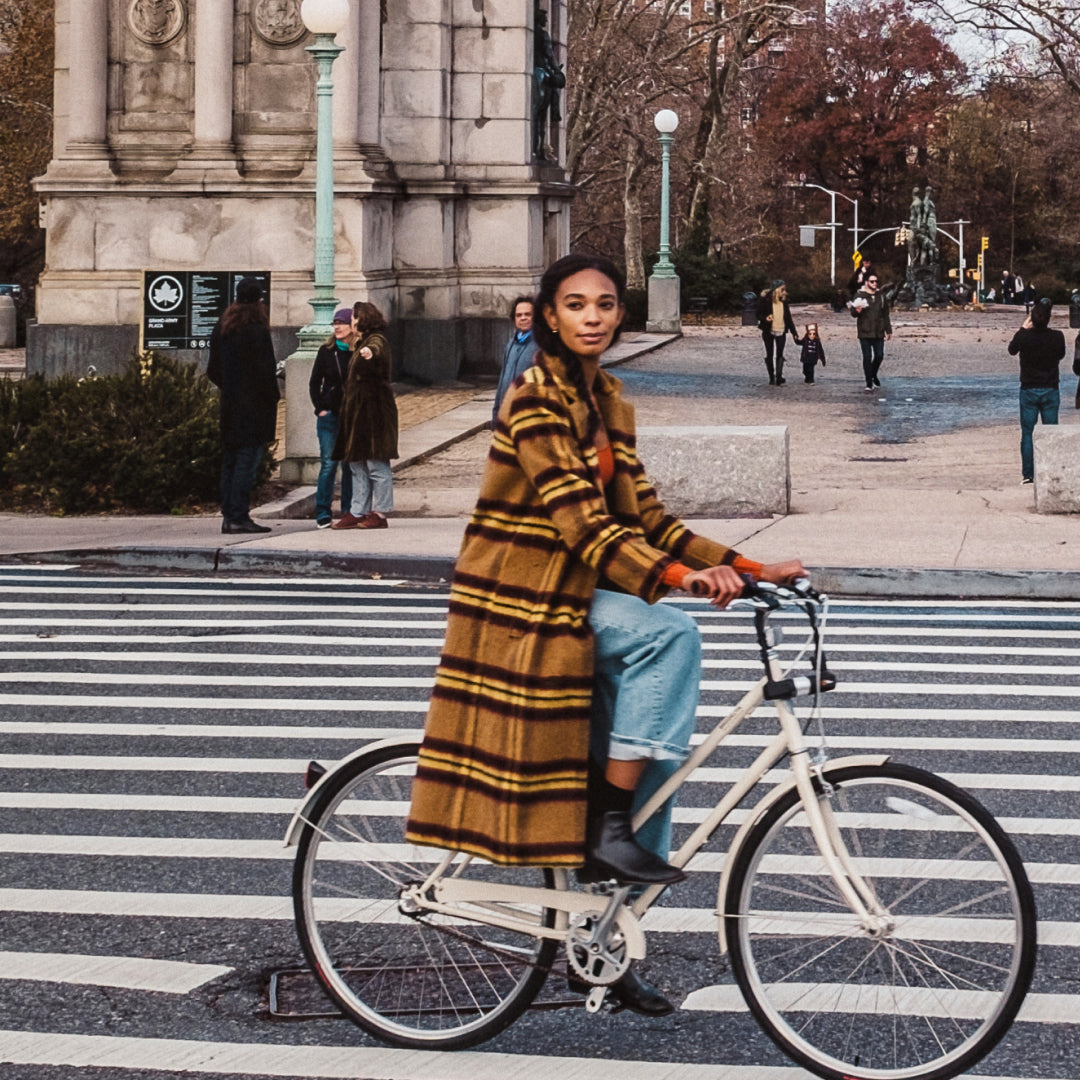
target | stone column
[
  {"x": 214, "y": 78},
  {"x": 368, "y": 65},
  {"x": 88, "y": 78},
  {"x": 346, "y": 88}
]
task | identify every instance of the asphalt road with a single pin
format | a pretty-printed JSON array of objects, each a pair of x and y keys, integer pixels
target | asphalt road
[{"x": 154, "y": 733}]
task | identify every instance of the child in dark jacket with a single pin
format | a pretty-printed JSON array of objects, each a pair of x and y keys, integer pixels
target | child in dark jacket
[{"x": 813, "y": 352}]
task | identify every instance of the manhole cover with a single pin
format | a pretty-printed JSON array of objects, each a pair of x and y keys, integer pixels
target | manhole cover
[{"x": 295, "y": 993}]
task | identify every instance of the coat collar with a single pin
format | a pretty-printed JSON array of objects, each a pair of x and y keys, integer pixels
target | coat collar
[{"x": 605, "y": 386}]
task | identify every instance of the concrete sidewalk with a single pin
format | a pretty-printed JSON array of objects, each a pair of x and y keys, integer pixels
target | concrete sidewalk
[{"x": 890, "y": 541}]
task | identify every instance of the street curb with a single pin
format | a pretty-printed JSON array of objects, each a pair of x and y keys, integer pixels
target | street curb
[
  {"x": 236, "y": 559},
  {"x": 644, "y": 351},
  {"x": 893, "y": 583}
]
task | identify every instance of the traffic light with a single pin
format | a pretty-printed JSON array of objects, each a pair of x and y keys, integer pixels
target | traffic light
[{"x": 985, "y": 243}]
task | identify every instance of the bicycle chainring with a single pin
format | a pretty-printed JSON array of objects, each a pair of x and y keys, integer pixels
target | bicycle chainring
[{"x": 598, "y": 963}]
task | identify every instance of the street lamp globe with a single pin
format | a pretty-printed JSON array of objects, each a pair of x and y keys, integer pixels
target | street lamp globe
[
  {"x": 325, "y": 16},
  {"x": 666, "y": 121}
]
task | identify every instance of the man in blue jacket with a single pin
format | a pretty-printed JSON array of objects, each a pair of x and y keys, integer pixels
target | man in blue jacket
[{"x": 520, "y": 350}]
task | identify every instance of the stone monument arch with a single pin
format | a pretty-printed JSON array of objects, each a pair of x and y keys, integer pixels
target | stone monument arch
[{"x": 184, "y": 140}]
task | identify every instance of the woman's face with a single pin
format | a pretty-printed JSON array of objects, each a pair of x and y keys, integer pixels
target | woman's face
[
  {"x": 587, "y": 312},
  {"x": 781, "y": 294},
  {"x": 343, "y": 331}
]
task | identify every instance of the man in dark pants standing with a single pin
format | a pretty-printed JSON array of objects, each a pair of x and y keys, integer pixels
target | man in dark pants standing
[
  {"x": 871, "y": 308},
  {"x": 1041, "y": 351}
]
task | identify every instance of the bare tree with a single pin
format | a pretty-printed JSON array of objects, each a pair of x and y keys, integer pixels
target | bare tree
[
  {"x": 26, "y": 55},
  {"x": 1053, "y": 25},
  {"x": 740, "y": 32},
  {"x": 626, "y": 59}
]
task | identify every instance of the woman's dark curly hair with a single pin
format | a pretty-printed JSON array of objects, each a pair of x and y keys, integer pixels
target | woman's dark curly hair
[
  {"x": 553, "y": 277},
  {"x": 368, "y": 317}
]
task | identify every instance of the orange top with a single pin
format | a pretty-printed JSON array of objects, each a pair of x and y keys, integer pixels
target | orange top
[{"x": 673, "y": 576}]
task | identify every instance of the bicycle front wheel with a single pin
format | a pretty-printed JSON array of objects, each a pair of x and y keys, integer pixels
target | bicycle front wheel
[
  {"x": 412, "y": 979},
  {"x": 932, "y": 993}
]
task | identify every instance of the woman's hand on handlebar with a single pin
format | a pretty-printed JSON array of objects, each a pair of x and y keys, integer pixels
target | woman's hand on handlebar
[
  {"x": 783, "y": 573},
  {"x": 720, "y": 583}
]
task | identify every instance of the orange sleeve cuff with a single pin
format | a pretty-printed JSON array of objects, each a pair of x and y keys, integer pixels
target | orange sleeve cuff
[
  {"x": 674, "y": 574},
  {"x": 747, "y": 566}
]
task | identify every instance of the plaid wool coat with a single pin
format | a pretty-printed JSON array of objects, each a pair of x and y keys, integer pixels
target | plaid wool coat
[{"x": 502, "y": 770}]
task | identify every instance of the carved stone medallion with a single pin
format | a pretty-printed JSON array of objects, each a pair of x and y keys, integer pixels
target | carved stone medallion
[
  {"x": 278, "y": 21},
  {"x": 156, "y": 21}
]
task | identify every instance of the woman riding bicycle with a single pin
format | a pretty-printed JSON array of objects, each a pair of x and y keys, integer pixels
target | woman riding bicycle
[{"x": 565, "y": 695}]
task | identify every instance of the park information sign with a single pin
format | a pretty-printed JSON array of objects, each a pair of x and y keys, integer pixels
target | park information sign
[{"x": 180, "y": 307}]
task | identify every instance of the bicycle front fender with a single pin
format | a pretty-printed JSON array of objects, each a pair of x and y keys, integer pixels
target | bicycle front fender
[
  {"x": 292, "y": 833},
  {"x": 758, "y": 812}
]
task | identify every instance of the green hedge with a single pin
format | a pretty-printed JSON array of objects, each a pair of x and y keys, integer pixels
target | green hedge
[{"x": 145, "y": 440}]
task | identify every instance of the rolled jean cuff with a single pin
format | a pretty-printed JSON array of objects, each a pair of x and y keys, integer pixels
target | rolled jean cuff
[{"x": 624, "y": 748}]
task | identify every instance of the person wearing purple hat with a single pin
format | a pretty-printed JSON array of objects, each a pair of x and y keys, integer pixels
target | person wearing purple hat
[{"x": 327, "y": 389}]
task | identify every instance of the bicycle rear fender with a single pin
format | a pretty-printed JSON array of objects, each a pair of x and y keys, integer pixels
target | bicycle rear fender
[
  {"x": 292, "y": 833},
  {"x": 755, "y": 816}
]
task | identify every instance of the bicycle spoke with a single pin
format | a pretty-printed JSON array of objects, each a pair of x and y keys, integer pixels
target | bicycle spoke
[
  {"x": 941, "y": 977},
  {"x": 412, "y": 977}
]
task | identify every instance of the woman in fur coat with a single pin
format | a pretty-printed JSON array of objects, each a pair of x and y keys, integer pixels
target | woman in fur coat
[{"x": 368, "y": 430}]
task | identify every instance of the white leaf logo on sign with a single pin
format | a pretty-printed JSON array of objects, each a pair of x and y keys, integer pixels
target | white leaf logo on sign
[{"x": 166, "y": 293}]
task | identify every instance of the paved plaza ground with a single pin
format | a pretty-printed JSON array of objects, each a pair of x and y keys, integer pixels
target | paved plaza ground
[{"x": 945, "y": 418}]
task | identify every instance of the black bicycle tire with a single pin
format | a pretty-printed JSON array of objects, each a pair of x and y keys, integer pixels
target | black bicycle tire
[
  {"x": 522, "y": 997},
  {"x": 1026, "y": 903}
]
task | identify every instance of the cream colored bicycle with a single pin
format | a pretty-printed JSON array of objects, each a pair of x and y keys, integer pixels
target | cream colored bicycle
[{"x": 879, "y": 922}]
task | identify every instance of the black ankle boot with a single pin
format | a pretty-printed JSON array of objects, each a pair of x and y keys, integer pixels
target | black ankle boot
[
  {"x": 612, "y": 852},
  {"x": 635, "y": 994},
  {"x": 630, "y": 992}
]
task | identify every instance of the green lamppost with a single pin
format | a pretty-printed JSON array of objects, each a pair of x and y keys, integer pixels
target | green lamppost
[
  {"x": 324, "y": 19},
  {"x": 664, "y": 310}
]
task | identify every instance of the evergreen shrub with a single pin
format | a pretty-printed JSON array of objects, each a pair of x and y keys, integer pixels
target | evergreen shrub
[
  {"x": 144, "y": 440},
  {"x": 720, "y": 281}
]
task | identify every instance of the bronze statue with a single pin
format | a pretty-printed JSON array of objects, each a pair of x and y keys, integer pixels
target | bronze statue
[
  {"x": 929, "y": 224},
  {"x": 922, "y": 234},
  {"x": 548, "y": 79},
  {"x": 914, "y": 225}
]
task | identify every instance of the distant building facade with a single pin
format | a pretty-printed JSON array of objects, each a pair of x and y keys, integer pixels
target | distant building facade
[{"x": 184, "y": 140}]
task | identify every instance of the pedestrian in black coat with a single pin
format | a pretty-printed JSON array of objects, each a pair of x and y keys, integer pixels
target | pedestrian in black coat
[
  {"x": 813, "y": 352},
  {"x": 243, "y": 366},
  {"x": 775, "y": 323}
]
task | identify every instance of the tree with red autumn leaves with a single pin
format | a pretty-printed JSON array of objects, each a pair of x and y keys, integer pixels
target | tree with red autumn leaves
[{"x": 858, "y": 104}]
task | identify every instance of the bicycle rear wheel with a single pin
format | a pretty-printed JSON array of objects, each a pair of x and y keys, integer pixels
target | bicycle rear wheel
[
  {"x": 929, "y": 997},
  {"x": 411, "y": 979}
]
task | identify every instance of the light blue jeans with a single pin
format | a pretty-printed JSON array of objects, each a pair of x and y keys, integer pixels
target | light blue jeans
[
  {"x": 647, "y": 661},
  {"x": 373, "y": 487}
]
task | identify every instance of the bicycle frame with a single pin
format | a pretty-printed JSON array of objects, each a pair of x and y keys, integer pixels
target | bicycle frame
[{"x": 446, "y": 892}]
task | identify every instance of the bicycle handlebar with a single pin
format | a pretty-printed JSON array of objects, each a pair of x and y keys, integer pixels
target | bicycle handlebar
[{"x": 771, "y": 594}]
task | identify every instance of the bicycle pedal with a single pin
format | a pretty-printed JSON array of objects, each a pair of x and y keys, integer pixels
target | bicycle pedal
[{"x": 594, "y": 1002}]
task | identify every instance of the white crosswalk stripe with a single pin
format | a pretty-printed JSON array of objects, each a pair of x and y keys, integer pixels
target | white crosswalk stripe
[{"x": 154, "y": 732}]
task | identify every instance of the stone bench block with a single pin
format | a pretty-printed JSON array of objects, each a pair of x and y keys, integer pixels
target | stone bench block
[
  {"x": 718, "y": 472},
  {"x": 1057, "y": 469}
]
